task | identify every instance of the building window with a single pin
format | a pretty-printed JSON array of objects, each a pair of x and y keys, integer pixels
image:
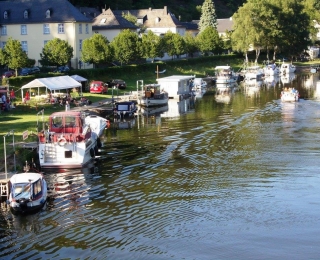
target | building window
[
  {"x": 60, "y": 28},
  {"x": 24, "y": 45},
  {"x": 3, "y": 44},
  {"x": 80, "y": 45},
  {"x": 80, "y": 28},
  {"x": 46, "y": 28},
  {"x": 25, "y": 14},
  {"x": 5, "y": 14},
  {"x": 23, "y": 29},
  {"x": 87, "y": 28},
  {"x": 48, "y": 13},
  {"x": 4, "y": 30},
  {"x": 45, "y": 42}
]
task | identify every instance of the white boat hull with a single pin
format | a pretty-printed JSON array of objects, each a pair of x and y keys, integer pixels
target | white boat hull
[
  {"x": 289, "y": 96},
  {"x": 67, "y": 155},
  {"x": 150, "y": 102}
]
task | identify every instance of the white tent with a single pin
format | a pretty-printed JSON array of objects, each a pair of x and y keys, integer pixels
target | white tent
[
  {"x": 53, "y": 84},
  {"x": 78, "y": 78}
]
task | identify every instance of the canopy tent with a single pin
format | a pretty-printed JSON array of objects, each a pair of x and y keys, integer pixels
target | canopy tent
[
  {"x": 53, "y": 84},
  {"x": 82, "y": 80},
  {"x": 78, "y": 78}
]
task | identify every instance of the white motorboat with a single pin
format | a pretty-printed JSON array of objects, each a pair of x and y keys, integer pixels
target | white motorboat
[
  {"x": 254, "y": 72},
  {"x": 151, "y": 95},
  {"x": 28, "y": 192},
  {"x": 225, "y": 75},
  {"x": 71, "y": 141},
  {"x": 290, "y": 95},
  {"x": 271, "y": 70},
  {"x": 287, "y": 68},
  {"x": 198, "y": 84}
]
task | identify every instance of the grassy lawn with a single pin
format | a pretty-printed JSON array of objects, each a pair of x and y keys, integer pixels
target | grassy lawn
[{"x": 24, "y": 116}]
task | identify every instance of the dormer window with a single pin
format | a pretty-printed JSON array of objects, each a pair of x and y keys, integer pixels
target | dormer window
[
  {"x": 48, "y": 13},
  {"x": 26, "y": 14},
  {"x": 157, "y": 20},
  {"x": 5, "y": 15}
]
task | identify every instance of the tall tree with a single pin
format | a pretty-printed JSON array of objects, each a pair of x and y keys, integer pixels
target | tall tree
[
  {"x": 191, "y": 44},
  {"x": 174, "y": 44},
  {"x": 151, "y": 46},
  {"x": 126, "y": 46},
  {"x": 96, "y": 50},
  {"x": 208, "y": 15},
  {"x": 56, "y": 52},
  {"x": 209, "y": 41},
  {"x": 13, "y": 55}
]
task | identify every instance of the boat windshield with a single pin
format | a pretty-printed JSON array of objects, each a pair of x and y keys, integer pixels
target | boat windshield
[
  {"x": 21, "y": 190},
  {"x": 57, "y": 121}
]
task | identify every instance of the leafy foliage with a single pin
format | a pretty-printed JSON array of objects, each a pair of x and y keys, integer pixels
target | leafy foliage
[
  {"x": 208, "y": 16},
  {"x": 56, "y": 52},
  {"x": 209, "y": 40},
  {"x": 96, "y": 50},
  {"x": 13, "y": 55},
  {"x": 126, "y": 46},
  {"x": 151, "y": 45}
]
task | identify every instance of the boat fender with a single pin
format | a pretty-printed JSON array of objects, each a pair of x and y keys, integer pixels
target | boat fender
[
  {"x": 91, "y": 152},
  {"x": 99, "y": 144},
  {"x": 62, "y": 141},
  {"x": 108, "y": 123}
]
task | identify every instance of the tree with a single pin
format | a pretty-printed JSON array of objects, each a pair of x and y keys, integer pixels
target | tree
[
  {"x": 209, "y": 40},
  {"x": 174, "y": 44},
  {"x": 13, "y": 55},
  {"x": 208, "y": 16},
  {"x": 96, "y": 50},
  {"x": 126, "y": 46},
  {"x": 151, "y": 46},
  {"x": 191, "y": 44},
  {"x": 56, "y": 52}
]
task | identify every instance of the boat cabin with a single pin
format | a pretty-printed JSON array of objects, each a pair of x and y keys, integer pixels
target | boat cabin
[
  {"x": 176, "y": 85},
  {"x": 67, "y": 125},
  {"x": 125, "y": 108}
]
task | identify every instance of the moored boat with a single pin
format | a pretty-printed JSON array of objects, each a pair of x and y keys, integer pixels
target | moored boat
[
  {"x": 287, "y": 68},
  {"x": 151, "y": 95},
  {"x": 125, "y": 109},
  {"x": 225, "y": 75},
  {"x": 71, "y": 141},
  {"x": 28, "y": 192},
  {"x": 290, "y": 95},
  {"x": 254, "y": 72}
]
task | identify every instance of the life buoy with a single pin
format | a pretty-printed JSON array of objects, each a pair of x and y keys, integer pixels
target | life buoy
[
  {"x": 62, "y": 141},
  {"x": 92, "y": 152}
]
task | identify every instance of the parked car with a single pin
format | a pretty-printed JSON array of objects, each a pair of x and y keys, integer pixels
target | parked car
[
  {"x": 8, "y": 74},
  {"x": 98, "y": 87},
  {"x": 118, "y": 83},
  {"x": 35, "y": 70},
  {"x": 25, "y": 72},
  {"x": 62, "y": 69}
]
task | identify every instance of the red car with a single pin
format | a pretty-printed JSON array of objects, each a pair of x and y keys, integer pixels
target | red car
[
  {"x": 8, "y": 74},
  {"x": 98, "y": 87}
]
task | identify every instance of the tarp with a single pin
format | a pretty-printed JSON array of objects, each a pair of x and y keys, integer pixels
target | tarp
[
  {"x": 78, "y": 78},
  {"x": 53, "y": 83}
]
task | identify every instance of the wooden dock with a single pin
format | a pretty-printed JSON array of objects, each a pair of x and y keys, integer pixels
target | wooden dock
[{"x": 4, "y": 185}]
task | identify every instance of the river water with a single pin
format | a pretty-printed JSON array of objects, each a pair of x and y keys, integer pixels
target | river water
[{"x": 228, "y": 176}]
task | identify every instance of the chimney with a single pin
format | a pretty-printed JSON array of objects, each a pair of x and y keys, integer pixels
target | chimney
[{"x": 165, "y": 10}]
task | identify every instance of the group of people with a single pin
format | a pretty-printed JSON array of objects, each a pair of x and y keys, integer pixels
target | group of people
[{"x": 6, "y": 100}]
